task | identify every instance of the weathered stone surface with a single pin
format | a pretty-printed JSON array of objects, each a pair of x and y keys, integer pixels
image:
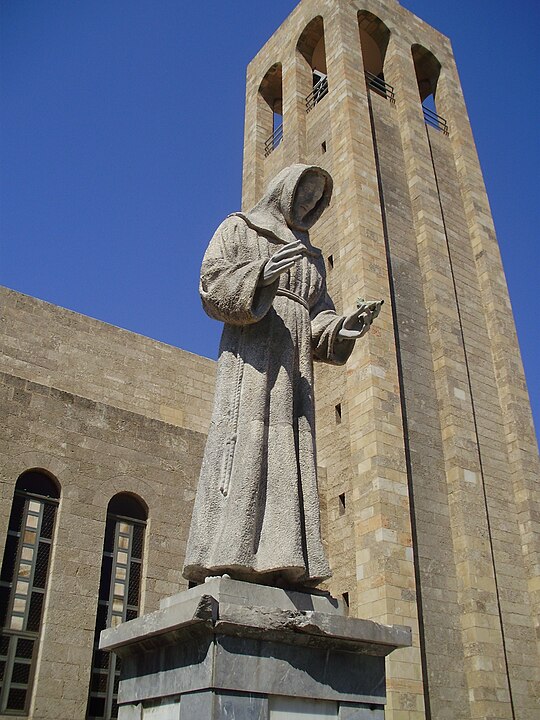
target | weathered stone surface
[
  {"x": 429, "y": 456},
  {"x": 195, "y": 611},
  {"x": 131, "y": 712},
  {"x": 197, "y": 704},
  {"x": 58, "y": 348},
  {"x": 331, "y": 630},
  {"x": 311, "y": 671},
  {"x": 222, "y": 606},
  {"x": 203, "y": 705},
  {"x": 360, "y": 712},
  {"x": 203, "y": 642},
  {"x": 228, "y": 590},
  {"x": 256, "y": 513},
  {"x": 295, "y": 708},
  {"x": 74, "y": 403},
  {"x": 239, "y": 707}
]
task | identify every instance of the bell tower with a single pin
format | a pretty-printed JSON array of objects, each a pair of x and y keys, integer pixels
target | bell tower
[{"x": 428, "y": 458}]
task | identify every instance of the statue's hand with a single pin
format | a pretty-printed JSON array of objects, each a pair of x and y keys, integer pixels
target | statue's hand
[
  {"x": 358, "y": 323},
  {"x": 280, "y": 262}
]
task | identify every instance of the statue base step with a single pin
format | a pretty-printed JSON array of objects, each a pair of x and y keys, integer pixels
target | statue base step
[{"x": 230, "y": 650}]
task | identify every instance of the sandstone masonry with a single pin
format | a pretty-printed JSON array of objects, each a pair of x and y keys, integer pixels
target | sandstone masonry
[
  {"x": 104, "y": 411},
  {"x": 429, "y": 459}
]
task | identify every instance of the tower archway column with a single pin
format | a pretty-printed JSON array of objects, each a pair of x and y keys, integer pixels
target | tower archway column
[
  {"x": 294, "y": 108},
  {"x": 385, "y": 588},
  {"x": 255, "y": 134},
  {"x": 507, "y": 431},
  {"x": 520, "y": 436},
  {"x": 481, "y": 623}
]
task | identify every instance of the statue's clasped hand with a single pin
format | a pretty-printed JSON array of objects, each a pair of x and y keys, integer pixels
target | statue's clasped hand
[
  {"x": 280, "y": 262},
  {"x": 358, "y": 323}
]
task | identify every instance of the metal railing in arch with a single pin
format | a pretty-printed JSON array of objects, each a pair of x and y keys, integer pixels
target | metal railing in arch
[
  {"x": 317, "y": 94},
  {"x": 437, "y": 121},
  {"x": 273, "y": 141},
  {"x": 380, "y": 86}
]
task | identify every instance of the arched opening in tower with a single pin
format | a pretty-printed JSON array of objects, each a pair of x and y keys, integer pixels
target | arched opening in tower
[
  {"x": 271, "y": 108},
  {"x": 374, "y": 37},
  {"x": 428, "y": 69},
  {"x": 312, "y": 53}
]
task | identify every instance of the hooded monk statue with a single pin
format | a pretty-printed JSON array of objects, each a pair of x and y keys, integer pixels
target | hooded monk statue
[{"x": 256, "y": 513}]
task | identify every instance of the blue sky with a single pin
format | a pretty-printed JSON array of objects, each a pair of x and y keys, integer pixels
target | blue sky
[{"x": 121, "y": 149}]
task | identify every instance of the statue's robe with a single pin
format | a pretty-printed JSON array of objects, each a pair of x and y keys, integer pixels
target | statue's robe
[{"x": 256, "y": 512}]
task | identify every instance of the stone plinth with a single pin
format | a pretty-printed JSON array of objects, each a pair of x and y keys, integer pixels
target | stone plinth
[{"x": 235, "y": 650}]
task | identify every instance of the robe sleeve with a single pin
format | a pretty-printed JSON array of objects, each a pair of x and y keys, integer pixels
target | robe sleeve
[
  {"x": 230, "y": 274},
  {"x": 325, "y": 325}
]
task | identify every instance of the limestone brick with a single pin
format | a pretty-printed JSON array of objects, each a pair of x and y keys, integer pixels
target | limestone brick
[
  {"x": 59, "y": 373},
  {"x": 432, "y": 403}
]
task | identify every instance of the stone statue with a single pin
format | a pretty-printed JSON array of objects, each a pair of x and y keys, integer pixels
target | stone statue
[{"x": 256, "y": 513}]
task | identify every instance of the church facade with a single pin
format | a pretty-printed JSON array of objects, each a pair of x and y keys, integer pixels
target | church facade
[
  {"x": 428, "y": 464},
  {"x": 102, "y": 440}
]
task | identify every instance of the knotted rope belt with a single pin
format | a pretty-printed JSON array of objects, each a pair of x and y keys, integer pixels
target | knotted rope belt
[{"x": 292, "y": 296}]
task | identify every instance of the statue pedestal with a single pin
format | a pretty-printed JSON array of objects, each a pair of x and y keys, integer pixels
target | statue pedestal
[{"x": 239, "y": 651}]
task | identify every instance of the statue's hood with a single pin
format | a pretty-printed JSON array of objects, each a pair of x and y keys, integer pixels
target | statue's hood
[{"x": 273, "y": 214}]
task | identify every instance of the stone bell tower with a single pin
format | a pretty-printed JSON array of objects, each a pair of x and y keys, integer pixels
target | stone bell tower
[{"x": 428, "y": 459}]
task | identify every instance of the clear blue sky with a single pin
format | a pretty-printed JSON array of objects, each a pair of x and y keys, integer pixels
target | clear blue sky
[{"x": 121, "y": 149}]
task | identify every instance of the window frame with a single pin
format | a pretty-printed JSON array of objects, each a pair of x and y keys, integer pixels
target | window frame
[
  {"x": 17, "y": 635},
  {"x": 112, "y": 671}
]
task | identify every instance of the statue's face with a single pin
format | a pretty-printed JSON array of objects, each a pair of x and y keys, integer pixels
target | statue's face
[{"x": 308, "y": 193}]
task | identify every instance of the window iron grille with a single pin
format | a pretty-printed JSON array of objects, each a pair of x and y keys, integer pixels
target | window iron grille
[
  {"x": 320, "y": 89},
  {"x": 119, "y": 595},
  {"x": 22, "y": 591},
  {"x": 273, "y": 141},
  {"x": 379, "y": 85},
  {"x": 433, "y": 120}
]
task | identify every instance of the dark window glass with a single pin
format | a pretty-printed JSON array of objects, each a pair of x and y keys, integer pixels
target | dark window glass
[
  {"x": 10, "y": 556},
  {"x": 34, "y": 612},
  {"x": 4, "y": 602},
  {"x": 25, "y": 648},
  {"x": 105, "y": 581},
  {"x": 42, "y": 563},
  {"x": 38, "y": 483},
  {"x": 119, "y": 591},
  {"x": 138, "y": 537},
  {"x": 17, "y": 512},
  {"x": 99, "y": 682},
  {"x": 101, "y": 659},
  {"x": 21, "y": 673},
  {"x": 108, "y": 545},
  {"x": 16, "y": 699},
  {"x": 47, "y": 523},
  {"x": 96, "y": 707},
  {"x": 101, "y": 619},
  {"x": 134, "y": 584}
]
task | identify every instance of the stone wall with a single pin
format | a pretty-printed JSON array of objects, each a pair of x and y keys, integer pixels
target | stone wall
[
  {"x": 84, "y": 401},
  {"x": 433, "y": 447},
  {"x": 59, "y": 348}
]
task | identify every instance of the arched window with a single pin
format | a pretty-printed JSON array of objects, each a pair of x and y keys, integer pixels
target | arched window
[
  {"x": 312, "y": 49},
  {"x": 374, "y": 37},
  {"x": 271, "y": 107},
  {"x": 23, "y": 585},
  {"x": 428, "y": 69},
  {"x": 119, "y": 596}
]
